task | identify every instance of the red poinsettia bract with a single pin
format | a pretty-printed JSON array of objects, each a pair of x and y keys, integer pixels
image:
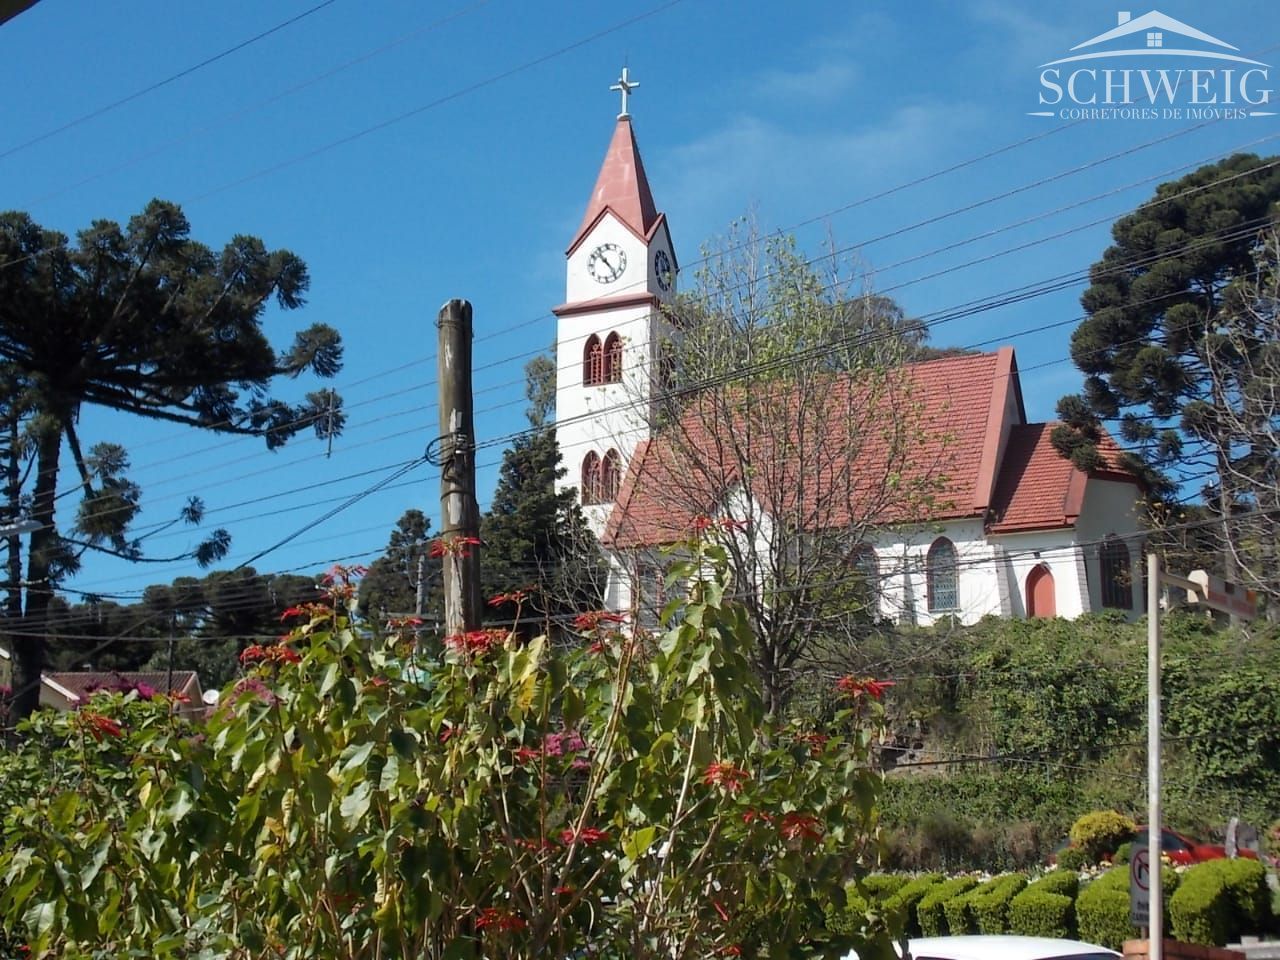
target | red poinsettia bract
[{"x": 858, "y": 686}]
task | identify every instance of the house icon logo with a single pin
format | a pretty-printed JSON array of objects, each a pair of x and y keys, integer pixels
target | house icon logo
[{"x": 1154, "y": 67}]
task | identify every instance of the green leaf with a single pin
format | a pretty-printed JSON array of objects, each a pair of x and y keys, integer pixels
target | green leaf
[
  {"x": 356, "y": 804},
  {"x": 390, "y": 774}
]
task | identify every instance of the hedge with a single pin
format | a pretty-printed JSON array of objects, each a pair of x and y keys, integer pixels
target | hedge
[
  {"x": 882, "y": 886},
  {"x": 958, "y": 911},
  {"x": 1200, "y": 910},
  {"x": 931, "y": 910},
  {"x": 991, "y": 906},
  {"x": 1102, "y": 909},
  {"x": 1065, "y": 882},
  {"x": 1038, "y": 913},
  {"x": 908, "y": 898},
  {"x": 1221, "y": 900}
]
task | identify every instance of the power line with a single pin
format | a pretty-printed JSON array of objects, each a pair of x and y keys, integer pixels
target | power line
[{"x": 99, "y": 111}]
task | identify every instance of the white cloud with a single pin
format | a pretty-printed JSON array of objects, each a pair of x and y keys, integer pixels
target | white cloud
[
  {"x": 820, "y": 83},
  {"x": 797, "y": 174}
]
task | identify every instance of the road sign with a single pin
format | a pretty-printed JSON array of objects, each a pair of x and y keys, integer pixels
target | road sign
[
  {"x": 1220, "y": 595},
  {"x": 1139, "y": 886}
]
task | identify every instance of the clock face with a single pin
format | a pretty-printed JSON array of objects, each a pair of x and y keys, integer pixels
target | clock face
[
  {"x": 607, "y": 262},
  {"x": 662, "y": 268}
]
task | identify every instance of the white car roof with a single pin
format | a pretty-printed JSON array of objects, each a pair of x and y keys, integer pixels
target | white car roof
[{"x": 1002, "y": 948}]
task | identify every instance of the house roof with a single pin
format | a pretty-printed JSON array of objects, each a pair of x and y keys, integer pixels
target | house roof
[
  {"x": 1038, "y": 488},
  {"x": 935, "y": 427},
  {"x": 83, "y": 683},
  {"x": 1155, "y": 20},
  {"x": 621, "y": 189}
]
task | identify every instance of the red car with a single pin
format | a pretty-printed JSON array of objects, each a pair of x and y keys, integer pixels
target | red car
[{"x": 1181, "y": 849}]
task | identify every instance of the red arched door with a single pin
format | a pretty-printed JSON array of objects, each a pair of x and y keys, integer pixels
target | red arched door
[{"x": 1040, "y": 598}]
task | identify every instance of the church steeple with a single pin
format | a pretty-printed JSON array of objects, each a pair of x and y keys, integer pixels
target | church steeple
[
  {"x": 611, "y": 331},
  {"x": 621, "y": 188}
]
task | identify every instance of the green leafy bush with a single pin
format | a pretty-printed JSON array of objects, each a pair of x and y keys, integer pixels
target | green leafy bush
[
  {"x": 1066, "y": 882},
  {"x": 1073, "y": 858},
  {"x": 931, "y": 910},
  {"x": 1201, "y": 909},
  {"x": 352, "y": 797},
  {"x": 991, "y": 906},
  {"x": 1099, "y": 833},
  {"x": 907, "y": 899},
  {"x": 1102, "y": 909},
  {"x": 882, "y": 886},
  {"x": 959, "y": 911},
  {"x": 1039, "y": 913},
  {"x": 1242, "y": 907},
  {"x": 1123, "y": 853}
]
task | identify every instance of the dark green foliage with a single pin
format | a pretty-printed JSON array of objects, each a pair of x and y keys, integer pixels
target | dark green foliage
[
  {"x": 1074, "y": 858},
  {"x": 1152, "y": 306},
  {"x": 390, "y": 588},
  {"x": 537, "y": 541},
  {"x": 1039, "y": 913},
  {"x": 990, "y": 907},
  {"x": 146, "y": 321},
  {"x": 882, "y": 886},
  {"x": 908, "y": 898},
  {"x": 931, "y": 910},
  {"x": 1122, "y": 854}
]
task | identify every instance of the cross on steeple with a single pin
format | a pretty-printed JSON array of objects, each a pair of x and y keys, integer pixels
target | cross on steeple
[{"x": 626, "y": 85}]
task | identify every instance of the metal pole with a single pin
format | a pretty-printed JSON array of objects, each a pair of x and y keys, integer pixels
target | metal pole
[
  {"x": 459, "y": 513},
  {"x": 1154, "y": 829}
]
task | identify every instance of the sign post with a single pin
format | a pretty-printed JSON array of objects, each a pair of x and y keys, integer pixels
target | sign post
[{"x": 1140, "y": 886}]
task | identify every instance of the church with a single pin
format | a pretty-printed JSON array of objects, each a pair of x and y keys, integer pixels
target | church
[{"x": 1009, "y": 527}]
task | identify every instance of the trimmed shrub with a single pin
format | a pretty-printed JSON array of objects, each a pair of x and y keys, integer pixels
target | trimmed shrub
[
  {"x": 1038, "y": 913},
  {"x": 1065, "y": 882},
  {"x": 1102, "y": 909},
  {"x": 931, "y": 910},
  {"x": 1073, "y": 858},
  {"x": 1243, "y": 906},
  {"x": 959, "y": 911},
  {"x": 882, "y": 886},
  {"x": 1200, "y": 911},
  {"x": 990, "y": 906},
  {"x": 1123, "y": 853},
  {"x": 908, "y": 898},
  {"x": 1099, "y": 833}
]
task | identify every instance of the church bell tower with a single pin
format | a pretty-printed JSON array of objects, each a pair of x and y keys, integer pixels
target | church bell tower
[{"x": 611, "y": 329}]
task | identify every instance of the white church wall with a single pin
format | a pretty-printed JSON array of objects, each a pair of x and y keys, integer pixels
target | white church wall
[
  {"x": 1055, "y": 549},
  {"x": 902, "y": 556},
  {"x": 1111, "y": 508},
  {"x": 580, "y": 285}
]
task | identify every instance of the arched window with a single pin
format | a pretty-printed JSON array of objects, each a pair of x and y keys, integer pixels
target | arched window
[
  {"x": 942, "y": 577},
  {"x": 591, "y": 478},
  {"x": 1117, "y": 579},
  {"x": 592, "y": 362},
  {"x": 613, "y": 359},
  {"x": 610, "y": 476}
]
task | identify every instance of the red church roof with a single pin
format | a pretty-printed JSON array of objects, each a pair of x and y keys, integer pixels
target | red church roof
[
  {"x": 1039, "y": 489},
  {"x": 946, "y": 454},
  {"x": 622, "y": 189}
]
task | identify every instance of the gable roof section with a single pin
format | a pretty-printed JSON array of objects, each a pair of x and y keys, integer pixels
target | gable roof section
[
  {"x": 951, "y": 401},
  {"x": 621, "y": 189},
  {"x": 1154, "y": 20},
  {"x": 1039, "y": 489}
]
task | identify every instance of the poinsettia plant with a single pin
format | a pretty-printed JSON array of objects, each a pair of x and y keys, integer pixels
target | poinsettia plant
[{"x": 348, "y": 797}]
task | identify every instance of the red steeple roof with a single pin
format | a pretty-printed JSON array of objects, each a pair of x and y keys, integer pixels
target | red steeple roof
[{"x": 621, "y": 188}]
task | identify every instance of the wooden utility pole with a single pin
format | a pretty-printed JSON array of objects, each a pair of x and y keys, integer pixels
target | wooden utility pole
[{"x": 459, "y": 514}]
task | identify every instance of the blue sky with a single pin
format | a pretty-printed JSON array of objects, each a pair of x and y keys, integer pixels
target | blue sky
[{"x": 413, "y": 152}]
